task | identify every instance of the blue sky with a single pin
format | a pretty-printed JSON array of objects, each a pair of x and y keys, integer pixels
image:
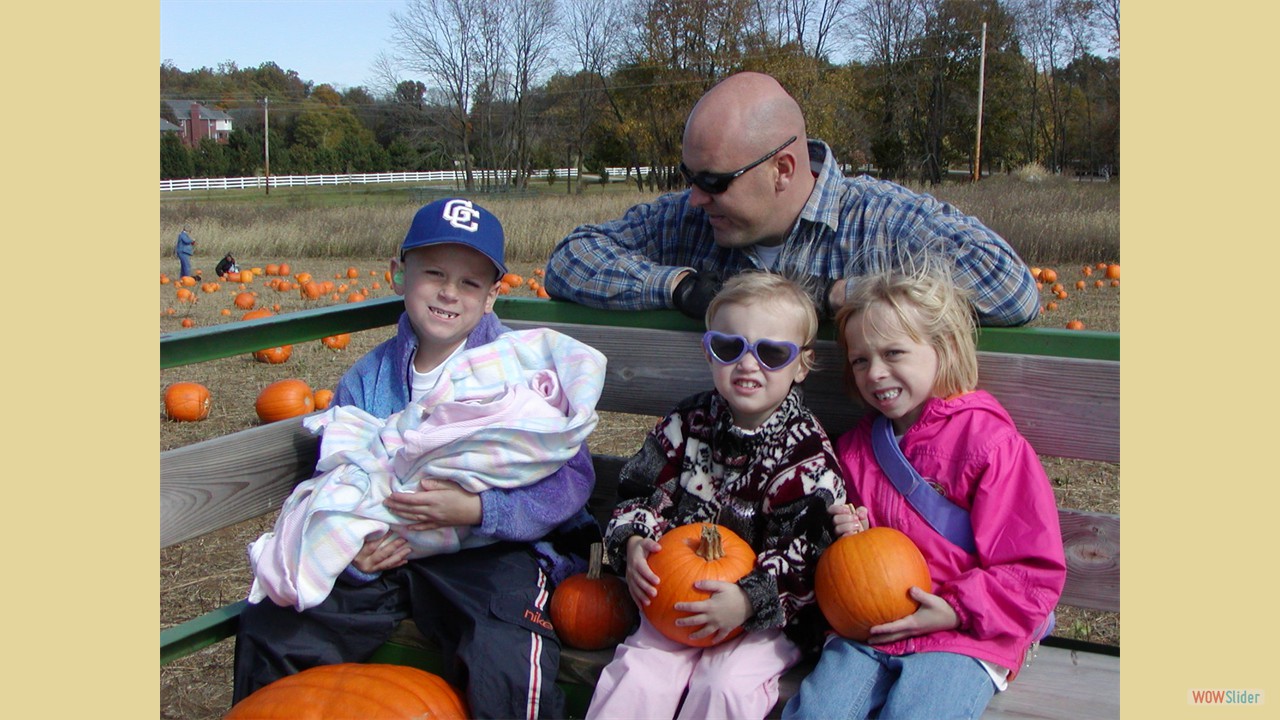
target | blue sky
[{"x": 325, "y": 41}]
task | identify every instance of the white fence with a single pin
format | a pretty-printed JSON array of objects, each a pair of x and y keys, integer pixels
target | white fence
[{"x": 434, "y": 176}]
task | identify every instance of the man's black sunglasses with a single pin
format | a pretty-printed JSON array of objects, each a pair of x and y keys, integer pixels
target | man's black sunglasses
[{"x": 715, "y": 183}]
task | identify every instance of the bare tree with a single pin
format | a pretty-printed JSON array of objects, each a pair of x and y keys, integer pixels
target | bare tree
[
  {"x": 531, "y": 30},
  {"x": 596, "y": 30},
  {"x": 814, "y": 25},
  {"x": 885, "y": 31},
  {"x": 438, "y": 38}
]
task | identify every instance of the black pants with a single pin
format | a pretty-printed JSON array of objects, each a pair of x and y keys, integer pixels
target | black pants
[{"x": 487, "y": 607}]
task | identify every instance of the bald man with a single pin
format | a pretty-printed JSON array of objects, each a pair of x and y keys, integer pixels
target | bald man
[{"x": 763, "y": 195}]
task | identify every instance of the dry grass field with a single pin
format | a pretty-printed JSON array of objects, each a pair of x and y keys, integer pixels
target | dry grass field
[{"x": 1064, "y": 227}]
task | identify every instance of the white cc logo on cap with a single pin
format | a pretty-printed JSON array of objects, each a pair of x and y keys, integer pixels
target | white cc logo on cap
[{"x": 461, "y": 215}]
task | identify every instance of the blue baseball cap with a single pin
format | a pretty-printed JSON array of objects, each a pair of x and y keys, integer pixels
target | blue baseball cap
[{"x": 455, "y": 220}]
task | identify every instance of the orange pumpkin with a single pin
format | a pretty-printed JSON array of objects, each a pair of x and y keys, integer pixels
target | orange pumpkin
[
  {"x": 698, "y": 551},
  {"x": 273, "y": 355},
  {"x": 284, "y": 399},
  {"x": 371, "y": 691},
  {"x": 1048, "y": 275},
  {"x": 862, "y": 580},
  {"x": 1113, "y": 272},
  {"x": 186, "y": 402},
  {"x": 188, "y": 322},
  {"x": 1075, "y": 325},
  {"x": 322, "y": 398},
  {"x": 245, "y": 301},
  {"x": 513, "y": 280},
  {"x": 255, "y": 314},
  {"x": 336, "y": 342},
  {"x": 591, "y": 610},
  {"x": 352, "y": 272}
]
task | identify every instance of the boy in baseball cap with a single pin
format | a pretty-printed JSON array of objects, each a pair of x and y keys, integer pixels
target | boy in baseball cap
[{"x": 448, "y": 269}]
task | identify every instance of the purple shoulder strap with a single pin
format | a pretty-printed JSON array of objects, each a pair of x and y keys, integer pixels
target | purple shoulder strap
[{"x": 950, "y": 520}]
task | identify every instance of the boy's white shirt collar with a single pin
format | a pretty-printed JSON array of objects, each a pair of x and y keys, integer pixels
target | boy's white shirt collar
[{"x": 422, "y": 383}]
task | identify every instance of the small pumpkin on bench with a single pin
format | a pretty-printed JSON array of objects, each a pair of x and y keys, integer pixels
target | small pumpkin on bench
[{"x": 592, "y": 610}]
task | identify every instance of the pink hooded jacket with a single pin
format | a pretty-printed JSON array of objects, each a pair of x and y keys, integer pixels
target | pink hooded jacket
[{"x": 968, "y": 447}]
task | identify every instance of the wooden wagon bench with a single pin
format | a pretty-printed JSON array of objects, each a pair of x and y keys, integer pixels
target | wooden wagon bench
[{"x": 1061, "y": 387}]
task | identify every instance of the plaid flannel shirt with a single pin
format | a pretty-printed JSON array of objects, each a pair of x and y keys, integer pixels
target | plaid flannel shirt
[{"x": 848, "y": 227}]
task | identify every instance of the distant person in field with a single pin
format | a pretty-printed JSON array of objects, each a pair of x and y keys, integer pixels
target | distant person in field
[
  {"x": 764, "y": 195},
  {"x": 485, "y": 605},
  {"x": 992, "y": 542},
  {"x": 184, "y": 249},
  {"x": 226, "y": 265}
]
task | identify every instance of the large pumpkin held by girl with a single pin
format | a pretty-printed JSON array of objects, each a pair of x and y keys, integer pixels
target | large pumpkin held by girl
[
  {"x": 863, "y": 580},
  {"x": 368, "y": 691},
  {"x": 698, "y": 551}
]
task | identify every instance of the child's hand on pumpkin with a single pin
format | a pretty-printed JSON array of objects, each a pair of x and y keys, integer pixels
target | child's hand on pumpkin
[
  {"x": 642, "y": 582},
  {"x": 726, "y": 609},
  {"x": 849, "y": 520},
  {"x": 933, "y": 614},
  {"x": 381, "y": 553}
]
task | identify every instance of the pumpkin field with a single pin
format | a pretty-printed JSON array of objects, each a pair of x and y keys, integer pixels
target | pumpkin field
[{"x": 1080, "y": 287}]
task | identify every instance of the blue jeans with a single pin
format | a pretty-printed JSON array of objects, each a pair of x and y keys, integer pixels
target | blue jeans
[
  {"x": 184, "y": 261},
  {"x": 853, "y": 680}
]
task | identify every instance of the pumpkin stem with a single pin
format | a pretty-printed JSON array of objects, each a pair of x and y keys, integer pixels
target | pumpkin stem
[
  {"x": 596, "y": 562},
  {"x": 710, "y": 548}
]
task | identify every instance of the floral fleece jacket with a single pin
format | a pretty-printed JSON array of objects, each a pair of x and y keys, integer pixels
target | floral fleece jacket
[{"x": 771, "y": 486}]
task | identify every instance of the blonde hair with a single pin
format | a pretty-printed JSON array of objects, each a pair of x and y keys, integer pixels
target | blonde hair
[
  {"x": 766, "y": 288},
  {"x": 932, "y": 310}
]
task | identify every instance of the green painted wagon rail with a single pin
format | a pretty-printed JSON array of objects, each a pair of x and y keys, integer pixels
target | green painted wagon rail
[{"x": 1061, "y": 387}]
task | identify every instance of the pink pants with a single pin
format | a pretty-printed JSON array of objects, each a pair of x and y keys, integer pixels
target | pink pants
[{"x": 735, "y": 679}]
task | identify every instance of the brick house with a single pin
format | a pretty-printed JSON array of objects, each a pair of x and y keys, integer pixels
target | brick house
[{"x": 196, "y": 122}]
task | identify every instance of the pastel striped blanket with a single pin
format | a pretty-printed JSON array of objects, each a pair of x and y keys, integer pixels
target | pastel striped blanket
[{"x": 503, "y": 415}]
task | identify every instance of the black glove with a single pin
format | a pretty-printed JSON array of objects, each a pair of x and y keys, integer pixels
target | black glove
[
  {"x": 824, "y": 302},
  {"x": 694, "y": 292}
]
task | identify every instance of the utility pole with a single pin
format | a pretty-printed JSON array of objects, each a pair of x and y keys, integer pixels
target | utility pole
[
  {"x": 266, "y": 140},
  {"x": 982, "y": 73}
]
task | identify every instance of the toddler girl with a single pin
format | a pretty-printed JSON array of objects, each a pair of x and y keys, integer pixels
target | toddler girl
[{"x": 748, "y": 456}]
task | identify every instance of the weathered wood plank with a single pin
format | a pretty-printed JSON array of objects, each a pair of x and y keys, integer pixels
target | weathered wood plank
[
  {"x": 1062, "y": 684},
  {"x": 216, "y": 483},
  {"x": 1066, "y": 407},
  {"x": 1092, "y": 545}
]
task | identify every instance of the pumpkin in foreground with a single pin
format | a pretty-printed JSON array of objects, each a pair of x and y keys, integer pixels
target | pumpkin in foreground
[
  {"x": 368, "y": 691},
  {"x": 863, "y": 580},
  {"x": 592, "y": 610},
  {"x": 698, "y": 551}
]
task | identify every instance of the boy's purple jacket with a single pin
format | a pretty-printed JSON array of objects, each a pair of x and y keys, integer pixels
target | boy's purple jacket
[{"x": 548, "y": 513}]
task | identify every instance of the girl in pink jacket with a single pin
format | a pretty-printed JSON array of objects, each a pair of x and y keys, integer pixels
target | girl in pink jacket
[{"x": 909, "y": 341}]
